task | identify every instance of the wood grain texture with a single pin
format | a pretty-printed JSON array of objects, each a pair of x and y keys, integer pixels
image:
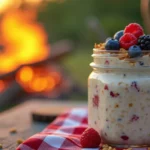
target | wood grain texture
[{"x": 20, "y": 118}]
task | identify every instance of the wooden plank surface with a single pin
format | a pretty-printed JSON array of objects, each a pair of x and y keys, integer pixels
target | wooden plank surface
[{"x": 20, "y": 119}]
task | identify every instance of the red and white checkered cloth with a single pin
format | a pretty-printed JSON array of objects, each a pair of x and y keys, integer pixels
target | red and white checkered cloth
[{"x": 62, "y": 134}]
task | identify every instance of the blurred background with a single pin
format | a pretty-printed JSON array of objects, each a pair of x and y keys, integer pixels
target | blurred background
[{"x": 46, "y": 45}]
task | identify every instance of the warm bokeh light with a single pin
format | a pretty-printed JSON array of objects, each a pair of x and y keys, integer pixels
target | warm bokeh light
[
  {"x": 38, "y": 84},
  {"x": 25, "y": 39},
  {"x": 52, "y": 83},
  {"x": 38, "y": 79},
  {"x": 26, "y": 74},
  {"x": 55, "y": 76}
]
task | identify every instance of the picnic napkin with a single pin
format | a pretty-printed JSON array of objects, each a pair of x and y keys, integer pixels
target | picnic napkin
[{"x": 62, "y": 134}]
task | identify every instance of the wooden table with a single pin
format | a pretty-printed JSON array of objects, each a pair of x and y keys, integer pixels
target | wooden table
[{"x": 20, "y": 118}]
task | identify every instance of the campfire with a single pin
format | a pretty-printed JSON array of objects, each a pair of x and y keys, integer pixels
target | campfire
[
  {"x": 26, "y": 57},
  {"x": 24, "y": 40}
]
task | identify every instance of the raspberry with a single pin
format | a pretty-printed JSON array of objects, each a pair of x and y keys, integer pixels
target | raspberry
[
  {"x": 128, "y": 40},
  {"x": 134, "y": 28},
  {"x": 90, "y": 138}
]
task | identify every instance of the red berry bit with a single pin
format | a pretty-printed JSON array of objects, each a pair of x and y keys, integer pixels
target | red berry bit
[
  {"x": 106, "y": 62},
  {"x": 135, "y": 29},
  {"x": 124, "y": 137},
  {"x": 128, "y": 40},
  {"x": 96, "y": 101},
  {"x": 134, "y": 85},
  {"x": 134, "y": 118},
  {"x": 90, "y": 138},
  {"x": 106, "y": 87},
  {"x": 112, "y": 94}
]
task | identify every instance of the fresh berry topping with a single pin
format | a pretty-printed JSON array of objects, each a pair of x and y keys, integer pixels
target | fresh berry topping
[
  {"x": 112, "y": 44},
  {"x": 118, "y": 35},
  {"x": 127, "y": 40},
  {"x": 144, "y": 42},
  {"x": 90, "y": 138},
  {"x": 134, "y": 28},
  {"x": 135, "y": 51}
]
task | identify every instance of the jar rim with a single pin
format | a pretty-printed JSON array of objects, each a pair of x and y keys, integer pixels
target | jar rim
[
  {"x": 120, "y": 59},
  {"x": 133, "y": 69}
]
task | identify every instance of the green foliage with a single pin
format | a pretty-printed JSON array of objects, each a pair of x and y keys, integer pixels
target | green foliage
[
  {"x": 79, "y": 65},
  {"x": 68, "y": 20}
]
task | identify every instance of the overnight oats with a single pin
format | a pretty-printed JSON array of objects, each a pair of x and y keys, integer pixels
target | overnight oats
[{"x": 119, "y": 88}]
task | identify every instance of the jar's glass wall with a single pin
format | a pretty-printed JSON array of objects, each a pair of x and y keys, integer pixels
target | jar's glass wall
[{"x": 119, "y": 100}]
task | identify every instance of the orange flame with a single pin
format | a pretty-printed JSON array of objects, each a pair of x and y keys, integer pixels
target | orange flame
[
  {"x": 25, "y": 41},
  {"x": 26, "y": 74},
  {"x": 38, "y": 79}
]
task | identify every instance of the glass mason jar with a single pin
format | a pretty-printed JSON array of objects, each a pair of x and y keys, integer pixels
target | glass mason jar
[{"x": 119, "y": 98}]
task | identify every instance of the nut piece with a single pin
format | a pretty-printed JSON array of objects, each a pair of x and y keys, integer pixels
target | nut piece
[
  {"x": 105, "y": 146},
  {"x": 19, "y": 141},
  {"x": 100, "y": 46},
  {"x": 1, "y": 146},
  {"x": 13, "y": 130}
]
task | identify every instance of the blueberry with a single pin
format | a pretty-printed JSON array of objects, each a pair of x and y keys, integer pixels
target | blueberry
[
  {"x": 112, "y": 44},
  {"x": 109, "y": 38},
  {"x": 134, "y": 51},
  {"x": 118, "y": 35}
]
